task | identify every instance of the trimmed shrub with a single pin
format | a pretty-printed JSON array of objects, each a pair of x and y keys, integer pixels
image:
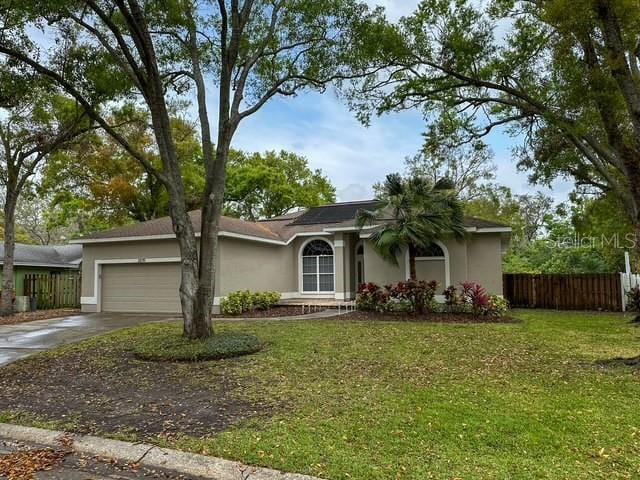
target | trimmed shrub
[
  {"x": 176, "y": 348},
  {"x": 243, "y": 301},
  {"x": 265, "y": 300},
  {"x": 237, "y": 302},
  {"x": 498, "y": 306}
]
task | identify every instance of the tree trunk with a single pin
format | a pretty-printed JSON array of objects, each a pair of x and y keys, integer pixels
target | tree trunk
[
  {"x": 209, "y": 215},
  {"x": 8, "y": 287},
  {"x": 412, "y": 264},
  {"x": 194, "y": 324}
]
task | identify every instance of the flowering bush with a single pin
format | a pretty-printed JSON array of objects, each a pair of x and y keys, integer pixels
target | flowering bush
[
  {"x": 371, "y": 297},
  {"x": 480, "y": 303},
  {"x": 633, "y": 301},
  {"x": 410, "y": 296},
  {"x": 418, "y": 293},
  {"x": 476, "y": 297}
]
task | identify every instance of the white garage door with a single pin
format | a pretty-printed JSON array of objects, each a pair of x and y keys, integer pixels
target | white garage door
[{"x": 141, "y": 287}]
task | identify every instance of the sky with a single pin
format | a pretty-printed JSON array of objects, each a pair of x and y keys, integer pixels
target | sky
[{"x": 354, "y": 157}]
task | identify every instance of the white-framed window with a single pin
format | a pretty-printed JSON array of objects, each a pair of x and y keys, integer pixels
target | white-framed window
[
  {"x": 317, "y": 267},
  {"x": 432, "y": 251}
]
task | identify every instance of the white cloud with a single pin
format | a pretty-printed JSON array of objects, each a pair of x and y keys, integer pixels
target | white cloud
[
  {"x": 322, "y": 129},
  {"x": 395, "y": 8},
  {"x": 354, "y": 191}
]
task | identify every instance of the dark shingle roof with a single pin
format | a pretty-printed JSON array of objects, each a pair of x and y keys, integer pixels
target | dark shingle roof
[
  {"x": 280, "y": 228},
  {"x": 64, "y": 256},
  {"x": 481, "y": 223},
  {"x": 336, "y": 213}
]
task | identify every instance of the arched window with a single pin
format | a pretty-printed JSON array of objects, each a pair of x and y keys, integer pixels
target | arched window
[
  {"x": 432, "y": 250},
  {"x": 317, "y": 267}
]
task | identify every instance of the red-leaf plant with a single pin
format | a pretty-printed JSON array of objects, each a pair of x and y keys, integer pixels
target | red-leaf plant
[{"x": 475, "y": 295}]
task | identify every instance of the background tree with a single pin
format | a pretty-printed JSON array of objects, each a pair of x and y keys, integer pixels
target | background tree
[
  {"x": 564, "y": 78},
  {"x": 253, "y": 50},
  {"x": 97, "y": 184},
  {"x": 411, "y": 214},
  {"x": 526, "y": 214},
  {"x": 36, "y": 121},
  {"x": 34, "y": 219},
  {"x": 271, "y": 184},
  {"x": 467, "y": 165}
]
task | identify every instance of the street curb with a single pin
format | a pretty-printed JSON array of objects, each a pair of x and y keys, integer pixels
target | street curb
[{"x": 149, "y": 455}]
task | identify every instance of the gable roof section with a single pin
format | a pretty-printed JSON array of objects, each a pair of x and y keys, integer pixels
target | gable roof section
[
  {"x": 279, "y": 230},
  {"x": 62, "y": 256}
]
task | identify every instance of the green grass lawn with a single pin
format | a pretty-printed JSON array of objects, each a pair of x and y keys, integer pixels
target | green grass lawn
[{"x": 385, "y": 400}]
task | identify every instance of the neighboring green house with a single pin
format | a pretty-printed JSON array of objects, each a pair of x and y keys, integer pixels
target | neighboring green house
[{"x": 29, "y": 259}]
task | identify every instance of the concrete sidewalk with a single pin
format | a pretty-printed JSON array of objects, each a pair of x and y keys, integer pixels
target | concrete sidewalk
[{"x": 189, "y": 465}]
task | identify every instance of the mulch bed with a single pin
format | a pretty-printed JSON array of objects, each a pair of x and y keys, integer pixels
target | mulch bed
[
  {"x": 279, "y": 311},
  {"x": 428, "y": 317},
  {"x": 37, "y": 315},
  {"x": 105, "y": 389}
]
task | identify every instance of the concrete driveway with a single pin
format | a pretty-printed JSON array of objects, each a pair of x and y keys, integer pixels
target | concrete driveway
[{"x": 21, "y": 340}]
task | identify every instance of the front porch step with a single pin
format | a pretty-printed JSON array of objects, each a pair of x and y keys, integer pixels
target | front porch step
[
  {"x": 311, "y": 305},
  {"x": 322, "y": 302}
]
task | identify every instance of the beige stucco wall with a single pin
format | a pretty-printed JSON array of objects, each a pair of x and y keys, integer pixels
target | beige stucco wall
[
  {"x": 256, "y": 266},
  {"x": 485, "y": 261},
  {"x": 477, "y": 259},
  {"x": 381, "y": 271},
  {"x": 261, "y": 266}
]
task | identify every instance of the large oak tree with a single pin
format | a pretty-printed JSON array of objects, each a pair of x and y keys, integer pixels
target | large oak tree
[
  {"x": 562, "y": 76},
  {"x": 247, "y": 51}
]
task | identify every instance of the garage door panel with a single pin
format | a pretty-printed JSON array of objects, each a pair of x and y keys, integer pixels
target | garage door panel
[{"x": 141, "y": 287}]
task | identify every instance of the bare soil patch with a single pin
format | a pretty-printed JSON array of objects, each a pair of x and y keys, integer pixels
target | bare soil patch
[
  {"x": 100, "y": 390},
  {"x": 37, "y": 315},
  {"x": 620, "y": 361},
  {"x": 427, "y": 317}
]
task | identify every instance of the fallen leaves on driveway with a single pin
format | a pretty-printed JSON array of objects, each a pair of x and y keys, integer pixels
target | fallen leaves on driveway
[
  {"x": 23, "y": 464},
  {"x": 23, "y": 317}
]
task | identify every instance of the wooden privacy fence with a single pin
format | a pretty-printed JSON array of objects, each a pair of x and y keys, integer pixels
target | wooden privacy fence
[
  {"x": 597, "y": 291},
  {"x": 54, "y": 290}
]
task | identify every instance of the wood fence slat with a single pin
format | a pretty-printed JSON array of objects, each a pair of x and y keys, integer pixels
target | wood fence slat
[
  {"x": 600, "y": 291},
  {"x": 54, "y": 290}
]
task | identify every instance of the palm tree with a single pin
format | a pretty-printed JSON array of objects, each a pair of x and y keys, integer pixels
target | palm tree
[{"x": 412, "y": 213}]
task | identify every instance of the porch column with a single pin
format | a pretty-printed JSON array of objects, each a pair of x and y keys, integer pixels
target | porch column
[
  {"x": 348, "y": 266},
  {"x": 339, "y": 280}
]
